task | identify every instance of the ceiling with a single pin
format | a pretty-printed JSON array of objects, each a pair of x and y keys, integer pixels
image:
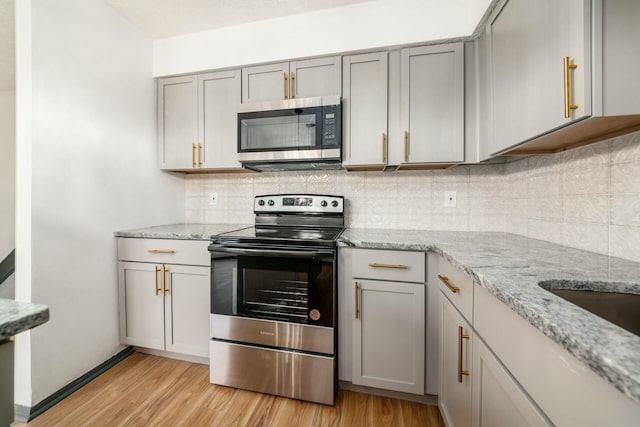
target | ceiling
[
  {"x": 166, "y": 18},
  {"x": 7, "y": 45}
]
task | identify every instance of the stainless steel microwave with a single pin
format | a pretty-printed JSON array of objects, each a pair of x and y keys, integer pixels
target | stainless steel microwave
[{"x": 293, "y": 134}]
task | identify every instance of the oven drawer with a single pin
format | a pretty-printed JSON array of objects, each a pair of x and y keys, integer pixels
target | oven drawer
[
  {"x": 284, "y": 373},
  {"x": 164, "y": 251},
  {"x": 459, "y": 282},
  {"x": 400, "y": 266},
  {"x": 272, "y": 333}
]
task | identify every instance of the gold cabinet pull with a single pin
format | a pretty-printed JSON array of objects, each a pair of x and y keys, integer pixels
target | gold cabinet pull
[
  {"x": 157, "y": 284},
  {"x": 193, "y": 154},
  {"x": 445, "y": 280},
  {"x": 285, "y": 85},
  {"x": 293, "y": 84},
  {"x": 165, "y": 288},
  {"x": 406, "y": 146},
  {"x": 384, "y": 147},
  {"x": 199, "y": 154},
  {"x": 461, "y": 336},
  {"x": 357, "y": 301},
  {"x": 379, "y": 265},
  {"x": 568, "y": 92},
  {"x": 161, "y": 251}
]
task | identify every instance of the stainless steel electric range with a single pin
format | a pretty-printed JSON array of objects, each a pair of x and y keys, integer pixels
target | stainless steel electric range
[{"x": 273, "y": 299}]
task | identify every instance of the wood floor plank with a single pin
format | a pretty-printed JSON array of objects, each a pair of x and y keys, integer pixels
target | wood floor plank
[{"x": 145, "y": 390}]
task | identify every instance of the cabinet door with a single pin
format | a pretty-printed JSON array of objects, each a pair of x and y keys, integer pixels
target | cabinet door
[
  {"x": 388, "y": 335},
  {"x": 187, "y": 304},
  {"x": 364, "y": 109},
  {"x": 141, "y": 305},
  {"x": 177, "y": 122},
  {"x": 219, "y": 95},
  {"x": 315, "y": 77},
  {"x": 455, "y": 389},
  {"x": 528, "y": 42},
  {"x": 497, "y": 399},
  {"x": 265, "y": 83},
  {"x": 432, "y": 103}
]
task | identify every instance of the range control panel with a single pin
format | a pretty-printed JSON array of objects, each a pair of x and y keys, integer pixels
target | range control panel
[{"x": 303, "y": 203}]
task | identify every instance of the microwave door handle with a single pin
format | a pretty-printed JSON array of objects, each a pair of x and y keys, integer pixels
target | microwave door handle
[{"x": 315, "y": 253}]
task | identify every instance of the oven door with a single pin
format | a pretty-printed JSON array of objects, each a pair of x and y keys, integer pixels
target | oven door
[{"x": 280, "y": 297}]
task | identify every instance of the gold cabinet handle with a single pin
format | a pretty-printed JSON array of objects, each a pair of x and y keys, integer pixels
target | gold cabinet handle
[
  {"x": 406, "y": 146},
  {"x": 379, "y": 265},
  {"x": 199, "y": 154},
  {"x": 384, "y": 147},
  {"x": 157, "y": 284},
  {"x": 445, "y": 280},
  {"x": 357, "y": 301},
  {"x": 161, "y": 251},
  {"x": 285, "y": 85},
  {"x": 165, "y": 288},
  {"x": 461, "y": 336},
  {"x": 293, "y": 84},
  {"x": 193, "y": 154},
  {"x": 568, "y": 93}
]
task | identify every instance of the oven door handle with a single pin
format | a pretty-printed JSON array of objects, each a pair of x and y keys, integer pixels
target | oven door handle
[{"x": 300, "y": 253}]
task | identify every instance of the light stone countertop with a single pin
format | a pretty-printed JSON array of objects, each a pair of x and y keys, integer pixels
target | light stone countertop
[
  {"x": 183, "y": 231},
  {"x": 511, "y": 268},
  {"x": 16, "y": 317}
]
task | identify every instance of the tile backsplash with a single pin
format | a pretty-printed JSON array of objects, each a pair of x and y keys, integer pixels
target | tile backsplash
[{"x": 587, "y": 198}]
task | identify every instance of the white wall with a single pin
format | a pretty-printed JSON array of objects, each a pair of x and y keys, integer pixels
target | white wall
[
  {"x": 7, "y": 172},
  {"x": 365, "y": 25},
  {"x": 93, "y": 171}
]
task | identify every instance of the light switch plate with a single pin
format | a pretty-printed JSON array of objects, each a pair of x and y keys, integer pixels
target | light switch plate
[
  {"x": 213, "y": 199},
  {"x": 450, "y": 199}
]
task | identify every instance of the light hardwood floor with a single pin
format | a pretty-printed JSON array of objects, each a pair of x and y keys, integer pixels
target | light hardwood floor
[{"x": 146, "y": 390}]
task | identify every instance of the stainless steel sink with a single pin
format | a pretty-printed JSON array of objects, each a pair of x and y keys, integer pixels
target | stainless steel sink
[{"x": 617, "y": 303}]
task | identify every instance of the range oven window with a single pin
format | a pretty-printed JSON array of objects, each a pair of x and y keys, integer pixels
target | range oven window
[{"x": 296, "y": 290}]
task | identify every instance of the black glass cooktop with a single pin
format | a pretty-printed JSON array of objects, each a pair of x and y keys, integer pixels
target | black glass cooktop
[{"x": 293, "y": 235}]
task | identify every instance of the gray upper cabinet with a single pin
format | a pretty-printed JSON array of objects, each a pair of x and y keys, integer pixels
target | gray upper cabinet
[
  {"x": 315, "y": 77},
  {"x": 432, "y": 104},
  {"x": 218, "y": 98},
  {"x": 197, "y": 121},
  {"x": 364, "y": 110},
  {"x": 177, "y": 122},
  {"x": 265, "y": 83},
  {"x": 539, "y": 63},
  {"x": 299, "y": 79}
]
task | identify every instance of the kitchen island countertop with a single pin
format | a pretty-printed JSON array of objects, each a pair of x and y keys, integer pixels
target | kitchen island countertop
[
  {"x": 16, "y": 317},
  {"x": 511, "y": 268}
]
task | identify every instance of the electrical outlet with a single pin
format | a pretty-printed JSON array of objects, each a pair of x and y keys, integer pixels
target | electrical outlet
[
  {"x": 450, "y": 199},
  {"x": 213, "y": 199}
]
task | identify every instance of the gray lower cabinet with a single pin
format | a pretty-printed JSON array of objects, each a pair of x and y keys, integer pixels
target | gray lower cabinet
[
  {"x": 197, "y": 121},
  {"x": 288, "y": 80},
  {"x": 164, "y": 295},
  {"x": 388, "y": 335},
  {"x": 432, "y": 104},
  {"x": 455, "y": 364},
  {"x": 365, "y": 110}
]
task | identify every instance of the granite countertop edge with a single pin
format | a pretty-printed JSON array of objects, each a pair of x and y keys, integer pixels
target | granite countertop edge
[
  {"x": 181, "y": 231},
  {"x": 589, "y": 351},
  {"x": 17, "y": 316}
]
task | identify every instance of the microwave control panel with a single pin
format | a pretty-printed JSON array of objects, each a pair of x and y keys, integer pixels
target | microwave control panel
[{"x": 331, "y": 125}]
